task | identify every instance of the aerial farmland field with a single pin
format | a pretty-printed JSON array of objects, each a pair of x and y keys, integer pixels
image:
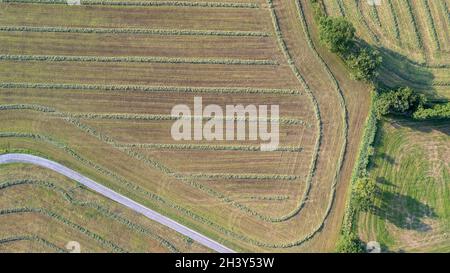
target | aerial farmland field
[{"x": 88, "y": 93}]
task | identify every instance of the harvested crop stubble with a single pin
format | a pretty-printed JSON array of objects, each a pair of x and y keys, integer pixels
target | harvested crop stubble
[
  {"x": 64, "y": 221},
  {"x": 99, "y": 208},
  {"x": 160, "y": 74},
  {"x": 200, "y": 47},
  {"x": 167, "y": 171},
  {"x": 107, "y": 17}
]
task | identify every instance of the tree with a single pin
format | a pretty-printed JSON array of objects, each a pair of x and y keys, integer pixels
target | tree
[
  {"x": 438, "y": 111},
  {"x": 364, "y": 65},
  {"x": 402, "y": 101},
  {"x": 350, "y": 243},
  {"x": 364, "y": 193},
  {"x": 337, "y": 34}
]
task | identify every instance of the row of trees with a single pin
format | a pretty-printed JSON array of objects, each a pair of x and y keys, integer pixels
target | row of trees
[
  {"x": 338, "y": 35},
  {"x": 405, "y": 101}
]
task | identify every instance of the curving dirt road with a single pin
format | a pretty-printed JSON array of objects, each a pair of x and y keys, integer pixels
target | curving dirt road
[{"x": 153, "y": 215}]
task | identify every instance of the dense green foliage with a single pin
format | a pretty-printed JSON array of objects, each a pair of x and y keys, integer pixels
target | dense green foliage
[
  {"x": 364, "y": 192},
  {"x": 363, "y": 66},
  {"x": 350, "y": 243},
  {"x": 337, "y": 34},
  {"x": 402, "y": 101},
  {"x": 438, "y": 111}
]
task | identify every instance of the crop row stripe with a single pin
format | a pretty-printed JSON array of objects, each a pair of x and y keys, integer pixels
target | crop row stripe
[
  {"x": 133, "y": 59},
  {"x": 146, "y": 88},
  {"x": 285, "y": 121},
  {"x": 141, "y": 31},
  {"x": 142, "y": 3},
  {"x": 243, "y": 176},
  {"x": 205, "y": 147}
]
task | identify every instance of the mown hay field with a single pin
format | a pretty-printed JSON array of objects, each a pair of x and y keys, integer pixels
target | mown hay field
[
  {"x": 92, "y": 87},
  {"x": 412, "y": 168}
]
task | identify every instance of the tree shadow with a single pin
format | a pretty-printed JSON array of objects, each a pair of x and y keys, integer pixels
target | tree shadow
[
  {"x": 398, "y": 70},
  {"x": 401, "y": 210},
  {"x": 426, "y": 126}
]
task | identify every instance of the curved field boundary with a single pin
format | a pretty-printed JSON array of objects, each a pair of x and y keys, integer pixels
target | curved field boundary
[
  {"x": 32, "y": 238},
  {"x": 132, "y": 59},
  {"x": 66, "y": 222},
  {"x": 144, "y": 88},
  {"x": 142, "y": 192},
  {"x": 142, "y": 3},
  {"x": 202, "y": 147},
  {"x": 344, "y": 116},
  {"x": 134, "y": 31},
  {"x": 290, "y": 61},
  {"x": 104, "y": 211}
]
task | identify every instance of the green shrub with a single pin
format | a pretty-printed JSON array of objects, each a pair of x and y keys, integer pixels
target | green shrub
[
  {"x": 337, "y": 34},
  {"x": 402, "y": 101},
  {"x": 438, "y": 111},
  {"x": 350, "y": 243},
  {"x": 364, "y": 192},
  {"x": 364, "y": 65}
]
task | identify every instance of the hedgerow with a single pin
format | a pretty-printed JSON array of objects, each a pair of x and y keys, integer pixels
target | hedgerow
[
  {"x": 141, "y": 31},
  {"x": 128, "y": 59},
  {"x": 143, "y": 88},
  {"x": 437, "y": 111},
  {"x": 359, "y": 170}
]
